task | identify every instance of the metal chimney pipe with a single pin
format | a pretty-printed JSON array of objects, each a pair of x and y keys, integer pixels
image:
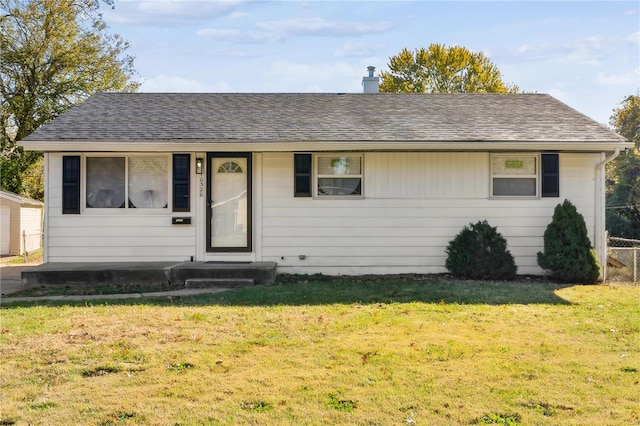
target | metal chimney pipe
[{"x": 371, "y": 69}]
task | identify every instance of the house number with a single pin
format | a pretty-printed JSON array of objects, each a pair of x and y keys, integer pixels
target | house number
[{"x": 201, "y": 186}]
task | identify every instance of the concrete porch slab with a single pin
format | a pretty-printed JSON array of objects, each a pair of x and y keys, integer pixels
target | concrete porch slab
[{"x": 142, "y": 273}]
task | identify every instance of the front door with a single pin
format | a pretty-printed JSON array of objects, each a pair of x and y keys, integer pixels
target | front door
[{"x": 229, "y": 202}]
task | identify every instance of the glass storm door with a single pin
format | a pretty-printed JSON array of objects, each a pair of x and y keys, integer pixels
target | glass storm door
[{"x": 229, "y": 202}]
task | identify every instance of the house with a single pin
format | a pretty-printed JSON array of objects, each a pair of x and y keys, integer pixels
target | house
[
  {"x": 20, "y": 224},
  {"x": 317, "y": 182}
]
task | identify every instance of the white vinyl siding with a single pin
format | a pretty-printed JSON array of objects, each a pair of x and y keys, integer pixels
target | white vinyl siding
[
  {"x": 112, "y": 235},
  {"x": 414, "y": 204},
  {"x": 422, "y": 175}
]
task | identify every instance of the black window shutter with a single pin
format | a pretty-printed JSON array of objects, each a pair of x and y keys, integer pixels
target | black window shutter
[
  {"x": 71, "y": 184},
  {"x": 302, "y": 171},
  {"x": 550, "y": 175},
  {"x": 181, "y": 180}
]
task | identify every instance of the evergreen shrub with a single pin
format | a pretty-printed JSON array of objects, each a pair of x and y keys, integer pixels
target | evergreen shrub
[
  {"x": 567, "y": 250},
  {"x": 479, "y": 251}
]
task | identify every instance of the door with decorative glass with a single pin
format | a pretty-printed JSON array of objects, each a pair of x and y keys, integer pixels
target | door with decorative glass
[{"x": 229, "y": 202}]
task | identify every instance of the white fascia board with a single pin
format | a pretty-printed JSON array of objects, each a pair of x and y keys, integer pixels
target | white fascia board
[{"x": 289, "y": 146}]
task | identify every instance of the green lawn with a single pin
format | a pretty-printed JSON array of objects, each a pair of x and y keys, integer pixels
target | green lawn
[{"x": 312, "y": 350}]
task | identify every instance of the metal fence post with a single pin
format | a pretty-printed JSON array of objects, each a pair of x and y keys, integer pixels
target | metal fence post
[
  {"x": 24, "y": 245},
  {"x": 635, "y": 265},
  {"x": 605, "y": 267}
]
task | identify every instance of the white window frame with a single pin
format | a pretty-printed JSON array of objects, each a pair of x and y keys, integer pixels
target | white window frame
[
  {"x": 536, "y": 176},
  {"x": 126, "y": 210},
  {"x": 317, "y": 176}
]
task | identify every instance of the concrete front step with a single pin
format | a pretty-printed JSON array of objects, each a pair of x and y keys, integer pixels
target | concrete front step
[
  {"x": 219, "y": 282},
  {"x": 260, "y": 272}
]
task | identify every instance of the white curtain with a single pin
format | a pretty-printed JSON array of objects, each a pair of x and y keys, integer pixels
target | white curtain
[
  {"x": 105, "y": 182},
  {"x": 148, "y": 182}
]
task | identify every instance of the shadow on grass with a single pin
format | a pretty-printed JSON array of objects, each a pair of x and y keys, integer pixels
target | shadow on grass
[{"x": 322, "y": 290}]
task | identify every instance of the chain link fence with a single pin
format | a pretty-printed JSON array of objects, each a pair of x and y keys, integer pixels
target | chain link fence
[{"x": 623, "y": 260}]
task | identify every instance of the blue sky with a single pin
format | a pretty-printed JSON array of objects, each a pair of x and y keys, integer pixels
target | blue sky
[{"x": 586, "y": 54}]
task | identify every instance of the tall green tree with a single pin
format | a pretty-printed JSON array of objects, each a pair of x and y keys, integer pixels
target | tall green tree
[
  {"x": 623, "y": 196},
  {"x": 442, "y": 69},
  {"x": 53, "y": 55}
]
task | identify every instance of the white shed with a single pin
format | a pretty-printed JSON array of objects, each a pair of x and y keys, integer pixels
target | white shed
[{"x": 20, "y": 224}]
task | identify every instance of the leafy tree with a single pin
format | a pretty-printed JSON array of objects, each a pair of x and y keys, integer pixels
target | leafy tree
[
  {"x": 33, "y": 180},
  {"x": 623, "y": 197},
  {"x": 55, "y": 53},
  {"x": 442, "y": 69},
  {"x": 567, "y": 249},
  {"x": 479, "y": 251}
]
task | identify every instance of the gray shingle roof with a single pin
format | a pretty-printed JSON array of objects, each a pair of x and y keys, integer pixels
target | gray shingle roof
[{"x": 258, "y": 117}]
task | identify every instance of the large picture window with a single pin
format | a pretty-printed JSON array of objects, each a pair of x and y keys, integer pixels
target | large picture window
[
  {"x": 127, "y": 182},
  {"x": 339, "y": 175},
  {"x": 514, "y": 175}
]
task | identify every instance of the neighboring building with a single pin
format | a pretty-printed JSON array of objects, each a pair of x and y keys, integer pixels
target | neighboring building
[
  {"x": 319, "y": 183},
  {"x": 20, "y": 224}
]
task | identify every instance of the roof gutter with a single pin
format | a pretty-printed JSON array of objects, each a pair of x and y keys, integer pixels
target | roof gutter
[
  {"x": 319, "y": 145},
  {"x": 610, "y": 158}
]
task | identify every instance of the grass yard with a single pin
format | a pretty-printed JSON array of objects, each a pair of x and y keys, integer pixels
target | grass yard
[{"x": 315, "y": 351}]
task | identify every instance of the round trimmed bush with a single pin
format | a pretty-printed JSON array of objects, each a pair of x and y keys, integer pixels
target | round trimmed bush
[
  {"x": 479, "y": 251},
  {"x": 567, "y": 249}
]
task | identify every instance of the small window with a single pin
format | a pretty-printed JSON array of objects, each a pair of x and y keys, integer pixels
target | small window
[
  {"x": 514, "y": 175},
  {"x": 127, "y": 182},
  {"x": 339, "y": 175},
  {"x": 230, "y": 167}
]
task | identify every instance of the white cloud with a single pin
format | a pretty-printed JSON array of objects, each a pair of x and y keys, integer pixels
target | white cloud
[
  {"x": 233, "y": 53},
  {"x": 322, "y": 27},
  {"x": 239, "y": 36},
  {"x": 276, "y": 31},
  {"x": 633, "y": 38},
  {"x": 177, "y": 84},
  {"x": 167, "y": 13},
  {"x": 619, "y": 79},
  {"x": 238, "y": 15},
  {"x": 593, "y": 49}
]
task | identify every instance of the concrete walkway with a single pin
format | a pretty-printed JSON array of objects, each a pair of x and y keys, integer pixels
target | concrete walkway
[
  {"x": 10, "y": 276},
  {"x": 173, "y": 293}
]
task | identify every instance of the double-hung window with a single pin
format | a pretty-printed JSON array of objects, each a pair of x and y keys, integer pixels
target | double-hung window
[
  {"x": 514, "y": 175},
  {"x": 136, "y": 182},
  {"x": 525, "y": 175},
  {"x": 339, "y": 175}
]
